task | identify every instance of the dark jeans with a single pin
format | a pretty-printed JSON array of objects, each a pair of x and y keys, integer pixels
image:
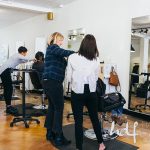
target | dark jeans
[
  {"x": 78, "y": 102},
  {"x": 54, "y": 117},
  {"x": 7, "y": 84}
]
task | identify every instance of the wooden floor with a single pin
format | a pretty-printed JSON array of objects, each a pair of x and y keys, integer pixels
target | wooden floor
[
  {"x": 33, "y": 138},
  {"x": 140, "y": 101}
]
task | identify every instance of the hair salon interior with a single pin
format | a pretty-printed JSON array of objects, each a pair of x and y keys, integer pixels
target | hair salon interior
[{"x": 122, "y": 32}]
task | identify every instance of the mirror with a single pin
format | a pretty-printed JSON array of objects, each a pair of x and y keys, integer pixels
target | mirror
[
  {"x": 75, "y": 38},
  {"x": 139, "y": 93}
]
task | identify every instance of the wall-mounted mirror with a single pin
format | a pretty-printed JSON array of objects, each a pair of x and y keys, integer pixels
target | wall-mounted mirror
[
  {"x": 75, "y": 37},
  {"x": 139, "y": 93}
]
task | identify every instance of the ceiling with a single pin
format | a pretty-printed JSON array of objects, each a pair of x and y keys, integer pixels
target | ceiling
[
  {"x": 13, "y": 11},
  {"x": 44, "y": 3},
  {"x": 138, "y": 24},
  {"x": 141, "y": 22}
]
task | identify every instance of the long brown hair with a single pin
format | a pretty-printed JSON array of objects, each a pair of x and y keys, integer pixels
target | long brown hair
[{"x": 88, "y": 47}]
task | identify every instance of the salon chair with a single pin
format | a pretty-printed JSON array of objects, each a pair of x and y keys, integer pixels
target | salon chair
[
  {"x": 16, "y": 80},
  {"x": 38, "y": 87},
  {"x": 103, "y": 108},
  {"x": 145, "y": 105}
]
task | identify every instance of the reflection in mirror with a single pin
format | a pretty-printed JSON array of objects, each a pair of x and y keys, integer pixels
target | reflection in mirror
[
  {"x": 74, "y": 40},
  {"x": 139, "y": 93},
  {"x": 75, "y": 37}
]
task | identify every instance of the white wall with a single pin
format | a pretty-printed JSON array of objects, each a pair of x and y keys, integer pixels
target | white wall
[{"x": 109, "y": 21}]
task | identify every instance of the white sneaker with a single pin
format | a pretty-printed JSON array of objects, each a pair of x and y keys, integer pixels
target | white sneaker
[{"x": 40, "y": 107}]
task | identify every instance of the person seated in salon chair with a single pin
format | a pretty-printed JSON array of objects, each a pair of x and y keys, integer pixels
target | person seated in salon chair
[
  {"x": 39, "y": 64},
  {"x": 5, "y": 74}
]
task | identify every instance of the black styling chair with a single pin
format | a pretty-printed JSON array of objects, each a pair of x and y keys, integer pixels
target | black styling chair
[
  {"x": 107, "y": 103},
  {"x": 38, "y": 87},
  {"x": 16, "y": 80},
  {"x": 105, "y": 106},
  {"x": 145, "y": 105}
]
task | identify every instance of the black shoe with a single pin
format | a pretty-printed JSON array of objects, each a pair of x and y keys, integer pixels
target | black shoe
[
  {"x": 60, "y": 140},
  {"x": 11, "y": 110},
  {"x": 50, "y": 136}
]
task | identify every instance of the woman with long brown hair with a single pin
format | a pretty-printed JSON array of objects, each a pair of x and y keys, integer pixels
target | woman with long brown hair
[{"x": 82, "y": 73}]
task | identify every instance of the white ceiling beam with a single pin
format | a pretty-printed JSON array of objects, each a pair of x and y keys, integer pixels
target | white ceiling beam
[{"x": 24, "y": 6}]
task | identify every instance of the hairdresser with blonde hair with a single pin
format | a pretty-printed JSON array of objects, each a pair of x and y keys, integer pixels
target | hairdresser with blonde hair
[{"x": 53, "y": 76}]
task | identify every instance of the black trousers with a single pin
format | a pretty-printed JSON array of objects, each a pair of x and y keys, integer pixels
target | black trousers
[
  {"x": 78, "y": 102},
  {"x": 7, "y": 84},
  {"x": 54, "y": 117}
]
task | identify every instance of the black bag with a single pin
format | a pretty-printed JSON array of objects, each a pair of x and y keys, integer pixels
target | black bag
[
  {"x": 113, "y": 98},
  {"x": 110, "y": 101},
  {"x": 100, "y": 88}
]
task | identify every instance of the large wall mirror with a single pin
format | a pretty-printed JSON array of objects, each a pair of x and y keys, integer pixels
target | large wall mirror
[
  {"x": 75, "y": 37},
  {"x": 139, "y": 93}
]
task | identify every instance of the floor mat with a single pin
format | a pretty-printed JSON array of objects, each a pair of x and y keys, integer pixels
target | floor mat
[{"x": 89, "y": 144}]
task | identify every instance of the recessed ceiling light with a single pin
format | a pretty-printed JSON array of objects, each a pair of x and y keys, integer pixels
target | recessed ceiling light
[{"x": 61, "y": 5}]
